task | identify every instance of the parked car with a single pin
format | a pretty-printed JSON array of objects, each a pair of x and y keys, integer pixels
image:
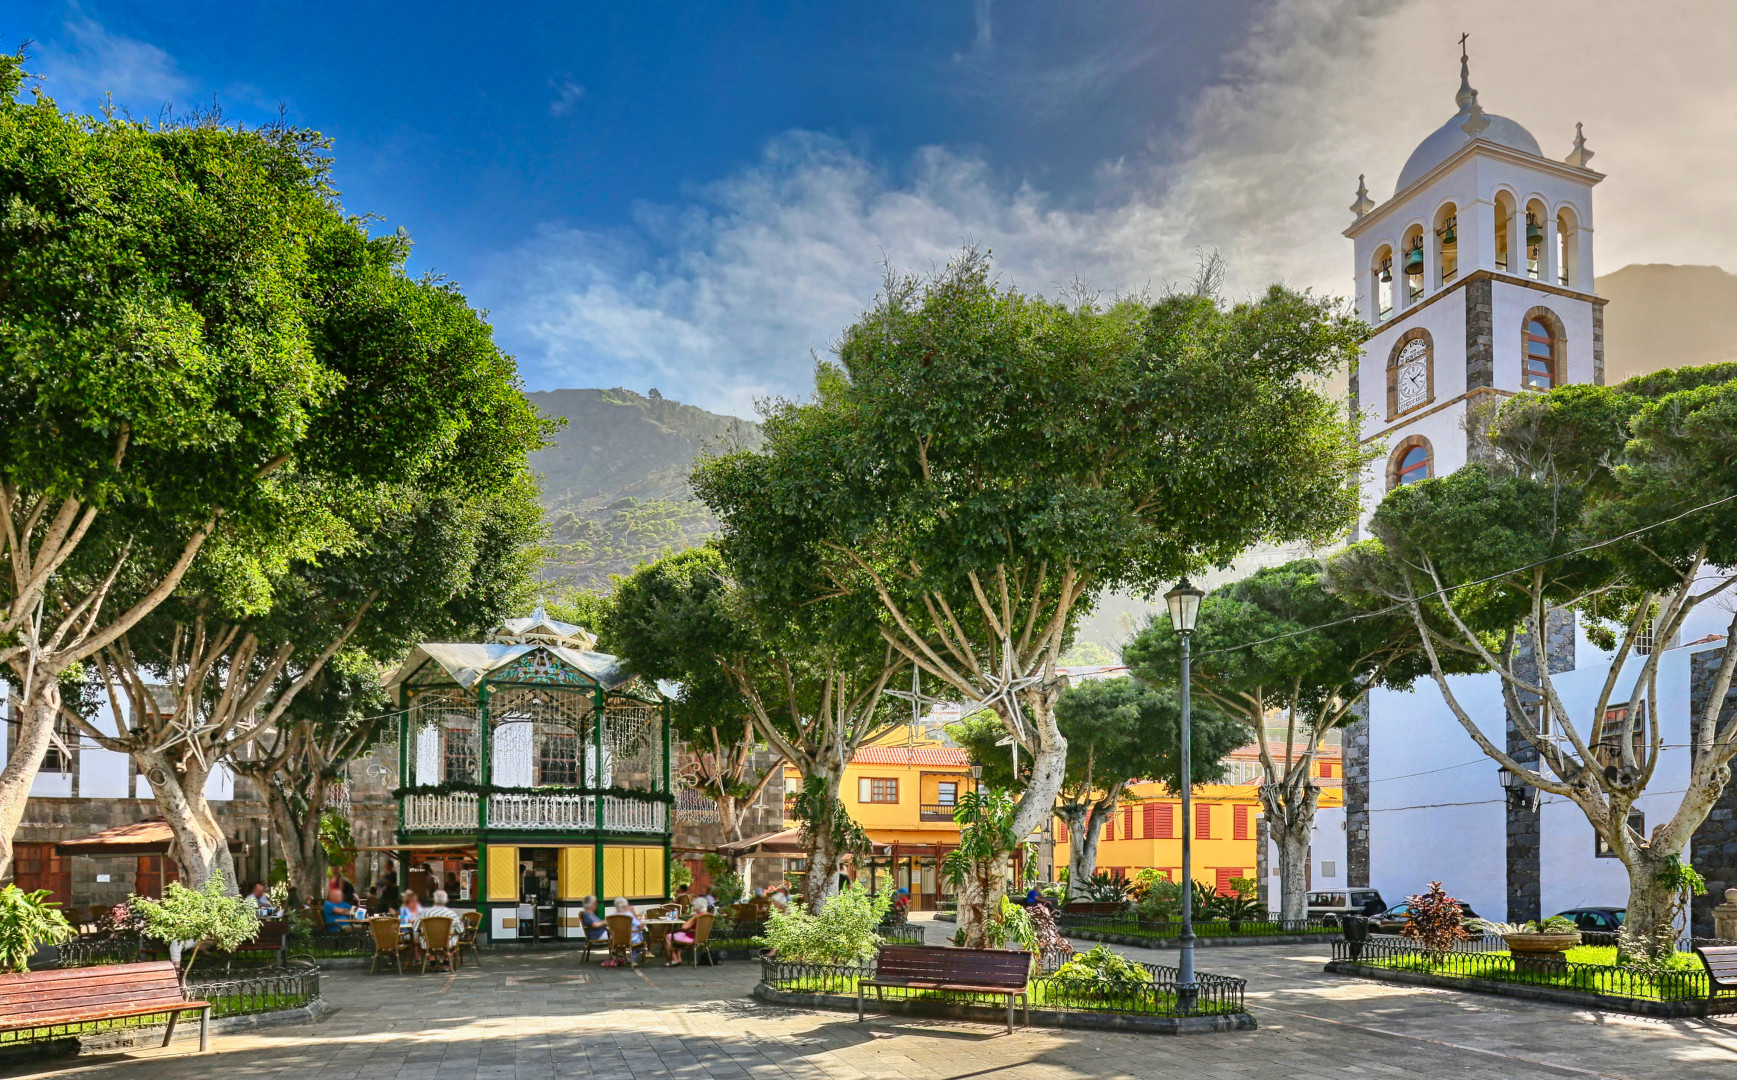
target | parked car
[
  {"x": 1393, "y": 920},
  {"x": 1331, "y": 904},
  {"x": 1598, "y": 919}
]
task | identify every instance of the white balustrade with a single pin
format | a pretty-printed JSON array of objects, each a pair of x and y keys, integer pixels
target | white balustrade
[
  {"x": 542, "y": 811},
  {"x": 446, "y": 813},
  {"x": 632, "y": 815}
]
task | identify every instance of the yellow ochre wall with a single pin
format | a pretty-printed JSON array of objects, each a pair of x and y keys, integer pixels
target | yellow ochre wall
[
  {"x": 503, "y": 873},
  {"x": 578, "y": 872},
  {"x": 632, "y": 872}
]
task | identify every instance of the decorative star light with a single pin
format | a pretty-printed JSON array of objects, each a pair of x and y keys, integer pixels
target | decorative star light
[{"x": 1005, "y": 686}]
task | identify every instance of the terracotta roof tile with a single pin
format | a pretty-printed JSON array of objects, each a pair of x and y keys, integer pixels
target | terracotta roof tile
[{"x": 911, "y": 755}]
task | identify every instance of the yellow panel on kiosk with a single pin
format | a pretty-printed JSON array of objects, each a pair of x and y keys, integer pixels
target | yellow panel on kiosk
[
  {"x": 578, "y": 872},
  {"x": 503, "y": 873}
]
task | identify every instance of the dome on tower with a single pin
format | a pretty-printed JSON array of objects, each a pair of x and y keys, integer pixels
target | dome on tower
[{"x": 1471, "y": 122}]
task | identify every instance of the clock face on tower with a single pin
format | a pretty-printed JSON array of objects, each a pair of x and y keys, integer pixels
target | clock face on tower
[{"x": 1412, "y": 375}]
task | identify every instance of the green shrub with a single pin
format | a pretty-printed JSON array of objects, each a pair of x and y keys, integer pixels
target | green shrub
[
  {"x": 1435, "y": 920},
  {"x": 1102, "y": 969},
  {"x": 843, "y": 932},
  {"x": 28, "y": 919},
  {"x": 198, "y": 915},
  {"x": 1011, "y": 923}
]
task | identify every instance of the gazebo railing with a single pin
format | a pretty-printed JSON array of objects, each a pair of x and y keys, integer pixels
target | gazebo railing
[
  {"x": 444, "y": 813},
  {"x": 457, "y": 812},
  {"x": 542, "y": 811}
]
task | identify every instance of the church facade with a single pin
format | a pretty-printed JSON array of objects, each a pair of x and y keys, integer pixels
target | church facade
[{"x": 1477, "y": 277}]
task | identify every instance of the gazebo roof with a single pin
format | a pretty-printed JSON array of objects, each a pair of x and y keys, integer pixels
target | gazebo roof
[{"x": 468, "y": 664}]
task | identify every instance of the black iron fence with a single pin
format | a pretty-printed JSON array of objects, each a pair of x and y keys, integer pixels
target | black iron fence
[
  {"x": 1617, "y": 981},
  {"x": 1131, "y": 925},
  {"x": 1212, "y": 995},
  {"x": 257, "y": 990},
  {"x": 901, "y": 935},
  {"x": 86, "y": 950}
]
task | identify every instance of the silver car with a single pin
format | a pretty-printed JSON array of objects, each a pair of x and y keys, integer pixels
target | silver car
[{"x": 1330, "y": 905}]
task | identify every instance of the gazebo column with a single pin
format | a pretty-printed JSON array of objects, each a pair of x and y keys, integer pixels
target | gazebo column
[{"x": 484, "y": 757}]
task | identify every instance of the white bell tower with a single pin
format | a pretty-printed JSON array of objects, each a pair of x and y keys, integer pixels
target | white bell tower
[{"x": 1477, "y": 277}]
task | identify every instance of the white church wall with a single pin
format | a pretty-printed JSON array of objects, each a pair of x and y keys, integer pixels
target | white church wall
[
  {"x": 1327, "y": 865},
  {"x": 102, "y": 774},
  {"x": 1509, "y": 303}
]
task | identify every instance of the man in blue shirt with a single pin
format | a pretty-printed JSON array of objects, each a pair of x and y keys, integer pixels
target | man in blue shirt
[
  {"x": 595, "y": 928},
  {"x": 337, "y": 913}
]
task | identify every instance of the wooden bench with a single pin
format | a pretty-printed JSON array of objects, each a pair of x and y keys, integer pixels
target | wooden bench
[
  {"x": 66, "y": 997},
  {"x": 272, "y": 939},
  {"x": 934, "y": 967},
  {"x": 1721, "y": 963}
]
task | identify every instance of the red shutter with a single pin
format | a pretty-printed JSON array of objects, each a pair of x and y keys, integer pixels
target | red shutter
[
  {"x": 1149, "y": 820},
  {"x": 1166, "y": 821},
  {"x": 1061, "y": 831},
  {"x": 1240, "y": 822},
  {"x": 1128, "y": 823},
  {"x": 1110, "y": 829},
  {"x": 1202, "y": 822},
  {"x": 1225, "y": 873}
]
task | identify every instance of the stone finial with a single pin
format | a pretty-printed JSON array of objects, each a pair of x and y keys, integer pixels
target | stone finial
[
  {"x": 1580, "y": 155},
  {"x": 1476, "y": 121},
  {"x": 1466, "y": 96},
  {"x": 1731, "y": 896},
  {"x": 1364, "y": 203}
]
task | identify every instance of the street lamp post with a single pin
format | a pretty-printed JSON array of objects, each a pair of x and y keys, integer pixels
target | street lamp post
[{"x": 1184, "y": 601}]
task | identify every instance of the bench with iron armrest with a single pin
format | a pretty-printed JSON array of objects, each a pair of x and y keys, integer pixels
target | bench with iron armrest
[
  {"x": 68, "y": 997},
  {"x": 934, "y": 967},
  {"x": 1721, "y": 963},
  {"x": 271, "y": 941}
]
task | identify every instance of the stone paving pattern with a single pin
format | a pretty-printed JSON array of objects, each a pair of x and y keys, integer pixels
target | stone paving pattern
[{"x": 545, "y": 1016}]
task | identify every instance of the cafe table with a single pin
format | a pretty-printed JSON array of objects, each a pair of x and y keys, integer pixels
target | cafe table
[{"x": 658, "y": 929}]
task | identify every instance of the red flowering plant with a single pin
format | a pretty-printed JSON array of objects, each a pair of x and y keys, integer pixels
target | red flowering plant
[{"x": 1435, "y": 919}]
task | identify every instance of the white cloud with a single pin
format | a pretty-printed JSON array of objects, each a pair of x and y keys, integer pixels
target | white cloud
[
  {"x": 87, "y": 62},
  {"x": 720, "y": 300},
  {"x": 567, "y": 95}
]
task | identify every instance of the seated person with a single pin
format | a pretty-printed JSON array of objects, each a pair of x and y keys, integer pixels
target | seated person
[
  {"x": 637, "y": 937},
  {"x": 258, "y": 898},
  {"x": 411, "y": 912},
  {"x": 592, "y": 923},
  {"x": 685, "y": 936},
  {"x": 439, "y": 908},
  {"x": 780, "y": 901},
  {"x": 337, "y": 914}
]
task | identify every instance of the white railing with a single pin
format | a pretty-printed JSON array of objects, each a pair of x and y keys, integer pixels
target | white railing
[
  {"x": 542, "y": 811},
  {"x": 447, "y": 813},
  {"x": 632, "y": 815}
]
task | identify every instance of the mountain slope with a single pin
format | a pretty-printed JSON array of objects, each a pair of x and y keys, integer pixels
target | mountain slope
[
  {"x": 1663, "y": 316},
  {"x": 614, "y": 483}
]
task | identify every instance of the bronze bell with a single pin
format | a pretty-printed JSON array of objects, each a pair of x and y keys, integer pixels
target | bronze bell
[
  {"x": 1449, "y": 236},
  {"x": 1414, "y": 260},
  {"x": 1534, "y": 232},
  {"x": 1386, "y": 271}
]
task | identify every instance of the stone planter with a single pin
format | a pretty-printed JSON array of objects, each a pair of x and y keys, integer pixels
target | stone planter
[{"x": 1540, "y": 954}]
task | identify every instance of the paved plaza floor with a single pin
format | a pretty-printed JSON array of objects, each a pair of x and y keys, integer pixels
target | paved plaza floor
[{"x": 545, "y": 1016}]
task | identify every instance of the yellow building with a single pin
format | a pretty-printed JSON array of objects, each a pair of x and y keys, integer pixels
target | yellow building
[
  {"x": 903, "y": 797},
  {"x": 1146, "y": 829}
]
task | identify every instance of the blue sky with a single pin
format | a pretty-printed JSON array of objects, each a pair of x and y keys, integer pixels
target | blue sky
[{"x": 698, "y": 196}]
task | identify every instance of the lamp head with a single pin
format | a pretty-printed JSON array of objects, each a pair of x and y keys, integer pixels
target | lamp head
[{"x": 1184, "y": 601}]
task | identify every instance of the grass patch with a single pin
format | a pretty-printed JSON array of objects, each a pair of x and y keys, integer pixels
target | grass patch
[
  {"x": 1588, "y": 968},
  {"x": 1043, "y": 993}
]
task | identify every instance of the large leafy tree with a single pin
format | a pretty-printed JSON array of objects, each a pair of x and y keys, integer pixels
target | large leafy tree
[
  {"x": 1119, "y": 731},
  {"x": 156, "y": 372},
  {"x": 678, "y": 619},
  {"x": 980, "y": 463},
  {"x": 1607, "y": 501},
  {"x": 1279, "y": 646},
  {"x": 807, "y": 679}
]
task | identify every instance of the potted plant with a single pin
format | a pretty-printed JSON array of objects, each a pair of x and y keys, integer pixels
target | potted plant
[
  {"x": 28, "y": 920},
  {"x": 1538, "y": 946}
]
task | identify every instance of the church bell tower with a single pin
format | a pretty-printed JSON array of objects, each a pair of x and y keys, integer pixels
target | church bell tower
[{"x": 1477, "y": 277}]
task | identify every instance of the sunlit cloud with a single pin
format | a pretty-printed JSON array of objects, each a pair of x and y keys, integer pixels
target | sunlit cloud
[{"x": 87, "y": 64}]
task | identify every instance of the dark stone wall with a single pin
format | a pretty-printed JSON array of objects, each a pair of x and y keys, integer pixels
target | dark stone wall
[
  {"x": 1713, "y": 848},
  {"x": 1356, "y": 758},
  {"x": 1598, "y": 344},
  {"x": 1480, "y": 334},
  {"x": 1525, "y": 875}
]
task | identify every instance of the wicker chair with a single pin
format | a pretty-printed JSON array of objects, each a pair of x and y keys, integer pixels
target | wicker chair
[
  {"x": 620, "y": 937},
  {"x": 388, "y": 942},
  {"x": 437, "y": 940},
  {"x": 467, "y": 937},
  {"x": 702, "y": 935}
]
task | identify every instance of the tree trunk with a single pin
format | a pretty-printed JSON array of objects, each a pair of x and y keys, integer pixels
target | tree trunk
[
  {"x": 1080, "y": 859},
  {"x": 980, "y": 900},
  {"x": 824, "y": 856},
  {"x": 34, "y": 736},
  {"x": 1292, "y": 841},
  {"x": 201, "y": 848},
  {"x": 1652, "y": 907},
  {"x": 299, "y": 838}
]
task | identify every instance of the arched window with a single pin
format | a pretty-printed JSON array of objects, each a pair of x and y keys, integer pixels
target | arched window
[
  {"x": 1412, "y": 460},
  {"x": 1567, "y": 249},
  {"x": 1383, "y": 284},
  {"x": 1504, "y": 229},
  {"x": 1410, "y": 372},
  {"x": 1534, "y": 240},
  {"x": 1413, "y": 263},
  {"x": 1447, "y": 245},
  {"x": 1540, "y": 372}
]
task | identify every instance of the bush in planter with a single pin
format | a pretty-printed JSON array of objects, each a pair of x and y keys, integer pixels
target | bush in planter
[
  {"x": 843, "y": 933},
  {"x": 27, "y": 920},
  {"x": 1435, "y": 920},
  {"x": 1102, "y": 970},
  {"x": 1160, "y": 901},
  {"x": 1011, "y": 923},
  {"x": 198, "y": 915},
  {"x": 1104, "y": 888}
]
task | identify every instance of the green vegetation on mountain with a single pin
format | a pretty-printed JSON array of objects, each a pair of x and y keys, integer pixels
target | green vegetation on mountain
[{"x": 615, "y": 482}]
